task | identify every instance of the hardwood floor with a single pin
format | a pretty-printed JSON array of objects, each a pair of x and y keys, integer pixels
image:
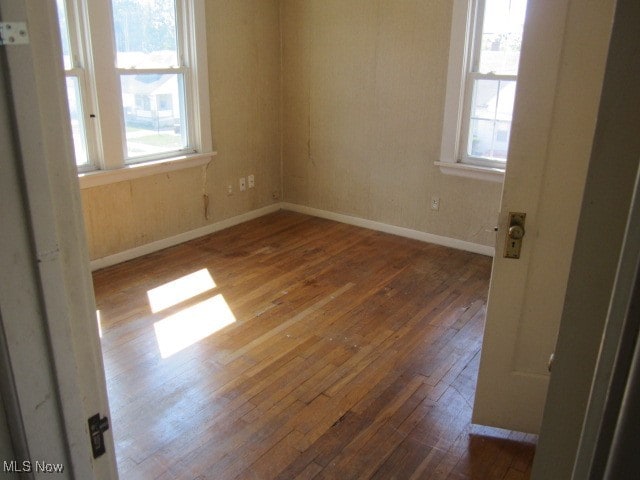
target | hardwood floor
[{"x": 340, "y": 353}]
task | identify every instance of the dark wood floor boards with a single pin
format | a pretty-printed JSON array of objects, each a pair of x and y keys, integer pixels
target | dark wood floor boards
[{"x": 354, "y": 354}]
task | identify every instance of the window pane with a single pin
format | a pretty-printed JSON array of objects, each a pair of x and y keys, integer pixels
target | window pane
[
  {"x": 491, "y": 113},
  {"x": 502, "y": 36},
  {"x": 488, "y": 139},
  {"x": 506, "y": 99},
  {"x": 77, "y": 121},
  {"x": 64, "y": 34},
  {"x": 493, "y": 99},
  {"x": 485, "y": 98},
  {"x": 480, "y": 138},
  {"x": 153, "y": 107},
  {"x": 145, "y": 33}
]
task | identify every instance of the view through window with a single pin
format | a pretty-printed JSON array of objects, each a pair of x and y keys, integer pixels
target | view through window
[
  {"x": 142, "y": 94},
  {"x": 151, "y": 76},
  {"x": 492, "y": 78}
]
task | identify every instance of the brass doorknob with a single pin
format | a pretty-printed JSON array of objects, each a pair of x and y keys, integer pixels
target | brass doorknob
[{"x": 516, "y": 232}]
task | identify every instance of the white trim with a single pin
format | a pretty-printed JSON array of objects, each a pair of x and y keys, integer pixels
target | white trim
[
  {"x": 454, "y": 97},
  {"x": 392, "y": 229},
  {"x": 138, "y": 170},
  {"x": 472, "y": 171},
  {"x": 180, "y": 238},
  {"x": 104, "y": 84},
  {"x": 199, "y": 77},
  {"x": 315, "y": 212}
]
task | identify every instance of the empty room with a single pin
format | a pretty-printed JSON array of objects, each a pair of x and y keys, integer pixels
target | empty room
[{"x": 288, "y": 239}]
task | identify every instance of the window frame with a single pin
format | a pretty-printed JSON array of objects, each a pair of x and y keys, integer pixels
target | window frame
[
  {"x": 464, "y": 56},
  {"x": 78, "y": 70},
  {"x": 94, "y": 41}
]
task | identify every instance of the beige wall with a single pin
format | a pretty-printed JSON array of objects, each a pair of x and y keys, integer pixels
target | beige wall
[
  {"x": 243, "y": 40},
  {"x": 363, "y": 85},
  {"x": 363, "y": 99}
]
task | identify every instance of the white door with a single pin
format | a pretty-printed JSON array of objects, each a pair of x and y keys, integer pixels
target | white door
[
  {"x": 52, "y": 378},
  {"x": 562, "y": 65}
]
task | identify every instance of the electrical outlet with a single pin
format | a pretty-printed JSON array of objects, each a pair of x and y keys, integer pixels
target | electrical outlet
[
  {"x": 435, "y": 203},
  {"x": 243, "y": 184},
  {"x": 229, "y": 189},
  {"x": 252, "y": 181}
]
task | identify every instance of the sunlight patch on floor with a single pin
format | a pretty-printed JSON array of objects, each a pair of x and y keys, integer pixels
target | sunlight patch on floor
[
  {"x": 179, "y": 290},
  {"x": 195, "y": 323}
]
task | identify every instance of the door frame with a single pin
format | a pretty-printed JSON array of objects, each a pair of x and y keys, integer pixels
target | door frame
[{"x": 51, "y": 354}]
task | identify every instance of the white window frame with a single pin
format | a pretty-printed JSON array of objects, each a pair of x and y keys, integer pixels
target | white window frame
[
  {"x": 77, "y": 52},
  {"x": 94, "y": 41},
  {"x": 462, "y": 53}
]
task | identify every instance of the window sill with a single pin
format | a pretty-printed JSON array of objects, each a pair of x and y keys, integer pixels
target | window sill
[
  {"x": 139, "y": 170},
  {"x": 472, "y": 171}
]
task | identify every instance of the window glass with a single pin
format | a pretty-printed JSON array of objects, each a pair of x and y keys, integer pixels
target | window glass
[
  {"x": 153, "y": 113},
  {"x": 145, "y": 32},
  {"x": 491, "y": 113},
  {"x": 77, "y": 121},
  {"x": 64, "y": 34},
  {"x": 501, "y": 39},
  {"x": 74, "y": 94}
]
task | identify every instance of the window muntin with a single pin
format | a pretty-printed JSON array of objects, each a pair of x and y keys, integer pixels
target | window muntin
[{"x": 491, "y": 80}]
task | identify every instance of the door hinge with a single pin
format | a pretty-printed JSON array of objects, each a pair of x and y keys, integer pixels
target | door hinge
[
  {"x": 14, "y": 33},
  {"x": 97, "y": 427}
]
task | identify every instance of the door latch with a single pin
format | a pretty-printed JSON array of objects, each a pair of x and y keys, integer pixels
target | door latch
[
  {"x": 515, "y": 232},
  {"x": 97, "y": 427}
]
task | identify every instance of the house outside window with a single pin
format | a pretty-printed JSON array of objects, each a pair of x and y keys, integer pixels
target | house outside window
[
  {"x": 137, "y": 81},
  {"x": 486, "y": 40}
]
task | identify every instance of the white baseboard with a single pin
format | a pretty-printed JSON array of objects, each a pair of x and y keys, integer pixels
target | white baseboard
[
  {"x": 401, "y": 231},
  {"x": 181, "y": 238},
  {"x": 245, "y": 217}
]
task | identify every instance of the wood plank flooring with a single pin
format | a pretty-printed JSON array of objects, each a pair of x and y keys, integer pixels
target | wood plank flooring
[{"x": 347, "y": 354}]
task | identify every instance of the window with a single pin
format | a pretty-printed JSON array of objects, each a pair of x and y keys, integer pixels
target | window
[
  {"x": 76, "y": 83},
  {"x": 137, "y": 84},
  {"x": 486, "y": 39}
]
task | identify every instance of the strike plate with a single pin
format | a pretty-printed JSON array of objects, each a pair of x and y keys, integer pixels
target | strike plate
[{"x": 14, "y": 33}]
